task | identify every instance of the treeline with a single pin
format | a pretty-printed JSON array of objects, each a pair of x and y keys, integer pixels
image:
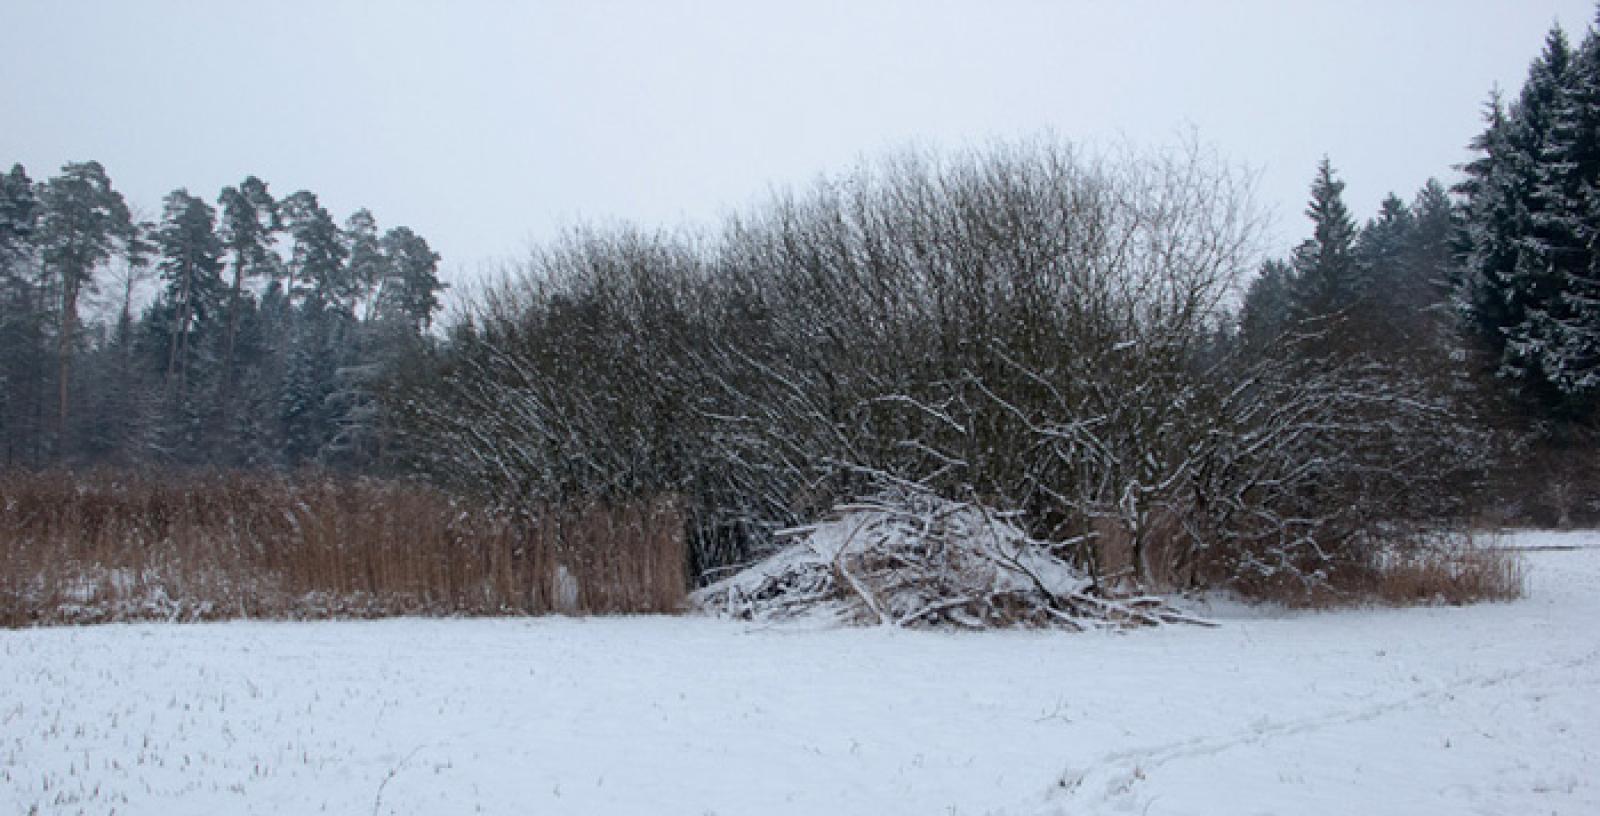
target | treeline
[
  {"x": 266, "y": 346},
  {"x": 1507, "y": 273},
  {"x": 1492, "y": 292}
]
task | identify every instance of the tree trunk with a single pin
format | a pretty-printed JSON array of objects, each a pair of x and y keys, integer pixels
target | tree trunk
[
  {"x": 233, "y": 333},
  {"x": 177, "y": 349},
  {"x": 69, "y": 319}
]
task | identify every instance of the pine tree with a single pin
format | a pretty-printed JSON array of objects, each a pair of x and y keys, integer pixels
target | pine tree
[
  {"x": 318, "y": 272},
  {"x": 410, "y": 292},
  {"x": 191, "y": 260},
  {"x": 402, "y": 309},
  {"x": 119, "y": 407},
  {"x": 367, "y": 262},
  {"x": 138, "y": 254},
  {"x": 248, "y": 229},
  {"x": 83, "y": 221}
]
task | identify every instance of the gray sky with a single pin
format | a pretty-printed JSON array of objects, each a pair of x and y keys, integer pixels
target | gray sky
[{"x": 487, "y": 125}]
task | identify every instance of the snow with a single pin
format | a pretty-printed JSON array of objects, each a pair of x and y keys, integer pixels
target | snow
[
  {"x": 1545, "y": 539},
  {"x": 1488, "y": 709}
]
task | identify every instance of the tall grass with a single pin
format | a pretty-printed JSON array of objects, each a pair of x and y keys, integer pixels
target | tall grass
[
  {"x": 113, "y": 546},
  {"x": 1456, "y": 571},
  {"x": 1406, "y": 569}
]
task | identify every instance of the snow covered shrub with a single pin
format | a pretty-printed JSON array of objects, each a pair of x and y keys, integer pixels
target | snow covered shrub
[
  {"x": 1042, "y": 328},
  {"x": 938, "y": 320},
  {"x": 912, "y": 559}
]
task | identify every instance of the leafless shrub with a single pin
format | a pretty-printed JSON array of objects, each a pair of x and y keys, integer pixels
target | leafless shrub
[{"x": 1030, "y": 327}]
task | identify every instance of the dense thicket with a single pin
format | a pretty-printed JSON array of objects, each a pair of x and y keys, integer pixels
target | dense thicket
[
  {"x": 266, "y": 345},
  {"x": 1031, "y": 327}
]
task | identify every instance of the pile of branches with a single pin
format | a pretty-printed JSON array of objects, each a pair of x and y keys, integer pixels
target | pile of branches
[{"x": 913, "y": 559}]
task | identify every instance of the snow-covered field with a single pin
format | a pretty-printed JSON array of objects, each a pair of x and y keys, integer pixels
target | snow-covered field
[{"x": 1493, "y": 709}]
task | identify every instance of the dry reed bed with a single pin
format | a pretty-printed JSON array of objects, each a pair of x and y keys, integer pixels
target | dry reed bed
[
  {"x": 1458, "y": 573},
  {"x": 115, "y": 546},
  {"x": 1419, "y": 568}
]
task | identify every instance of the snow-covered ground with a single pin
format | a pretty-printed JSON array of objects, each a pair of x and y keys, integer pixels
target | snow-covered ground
[{"x": 1493, "y": 709}]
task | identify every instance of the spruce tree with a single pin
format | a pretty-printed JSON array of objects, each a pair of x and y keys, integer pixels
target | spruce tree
[
  {"x": 1428, "y": 265},
  {"x": 1492, "y": 218},
  {"x": 1568, "y": 225},
  {"x": 19, "y": 215},
  {"x": 1545, "y": 240},
  {"x": 22, "y": 320},
  {"x": 1527, "y": 237},
  {"x": 1326, "y": 279},
  {"x": 1327, "y": 276},
  {"x": 1266, "y": 314},
  {"x": 1430, "y": 251}
]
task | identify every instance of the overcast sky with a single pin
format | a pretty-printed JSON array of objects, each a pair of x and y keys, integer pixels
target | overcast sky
[{"x": 488, "y": 125}]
